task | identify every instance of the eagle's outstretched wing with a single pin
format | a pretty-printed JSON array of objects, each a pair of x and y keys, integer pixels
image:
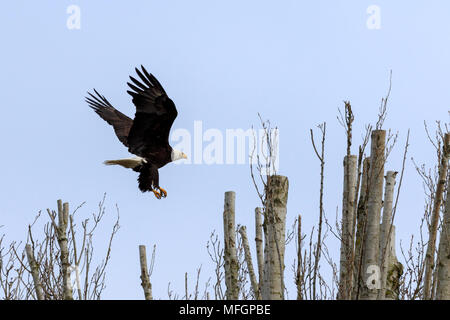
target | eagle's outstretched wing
[
  {"x": 120, "y": 122},
  {"x": 155, "y": 113}
]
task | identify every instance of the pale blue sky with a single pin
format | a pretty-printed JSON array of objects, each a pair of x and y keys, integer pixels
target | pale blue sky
[{"x": 221, "y": 62}]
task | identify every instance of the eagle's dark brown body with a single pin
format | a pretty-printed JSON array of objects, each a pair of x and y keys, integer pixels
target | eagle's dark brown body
[{"x": 147, "y": 135}]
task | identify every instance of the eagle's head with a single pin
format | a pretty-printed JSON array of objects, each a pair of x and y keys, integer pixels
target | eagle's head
[{"x": 177, "y": 155}]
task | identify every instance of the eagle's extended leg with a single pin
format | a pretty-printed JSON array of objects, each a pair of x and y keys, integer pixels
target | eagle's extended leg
[
  {"x": 149, "y": 180},
  {"x": 157, "y": 194},
  {"x": 162, "y": 192}
]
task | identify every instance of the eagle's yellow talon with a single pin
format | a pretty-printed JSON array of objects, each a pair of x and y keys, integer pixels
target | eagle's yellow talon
[
  {"x": 157, "y": 194},
  {"x": 163, "y": 192}
]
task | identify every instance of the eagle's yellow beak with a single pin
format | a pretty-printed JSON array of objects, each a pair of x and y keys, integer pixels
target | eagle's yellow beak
[{"x": 184, "y": 156}]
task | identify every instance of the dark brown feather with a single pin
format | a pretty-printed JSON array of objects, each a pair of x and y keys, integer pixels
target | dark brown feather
[
  {"x": 148, "y": 178},
  {"x": 155, "y": 113},
  {"x": 120, "y": 122}
]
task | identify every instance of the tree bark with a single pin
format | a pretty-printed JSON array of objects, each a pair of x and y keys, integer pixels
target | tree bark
[
  {"x": 429, "y": 258},
  {"x": 299, "y": 274},
  {"x": 385, "y": 230},
  {"x": 371, "y": 268},
  {"x": 145, "y": 277},
  {"x": 259, "y": 247},
  {"x": 394, "y": 270},
  {"x": 248, "y": 260},
  {"x": 443, "y": 285},
  {"x": 361, "y": 223},
  {"x": 34, "y": 272},
  {"x": 231, "y": 264},
  {"x": 275, "y": 226},
  {"x": 348, "y": 205},
  {"x": 61, "y": 234},
  {"x": 63, "y": 218}
]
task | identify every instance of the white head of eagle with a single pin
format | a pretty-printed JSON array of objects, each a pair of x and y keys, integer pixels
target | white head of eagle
[
  {"x": 177, "y": 155},
  {"x": 147, "y": 135}
]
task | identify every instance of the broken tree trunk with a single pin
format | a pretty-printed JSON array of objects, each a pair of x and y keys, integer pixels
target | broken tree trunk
[
  {"x": 429, "y": 258},
  {"x": 145, "y": 277},
  {"x": 63, "y": 218},
  {"x": 361, "y": 222},
  {"x": 394, "y": 270},
  {"x": 348, "y": 207},
  {"x": 274, "y": 227},
  {"x": 230, "y": 257},
  {"x": 248, "y": 260},
  {"x": 443, "y": 285},
  {"x": 385, "y": 230},
  {"x": 34, "y": 272},
  {"x": 371, "y": 268},
  {"x": 61, "y": 234},
  {"x": 259, "y": 247}
]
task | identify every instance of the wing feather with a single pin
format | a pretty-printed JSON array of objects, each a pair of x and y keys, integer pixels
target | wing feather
[
  {"x": 120, "y": 122},
  {"x": 136, "y": 82},
  {"x": 155, "y": 114}
]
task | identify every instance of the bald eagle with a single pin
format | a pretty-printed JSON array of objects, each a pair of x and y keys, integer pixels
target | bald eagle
[{"x": 147, "y": 135}]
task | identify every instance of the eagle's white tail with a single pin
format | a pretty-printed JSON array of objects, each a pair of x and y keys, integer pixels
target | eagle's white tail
[{"x": 129, "y": 163}]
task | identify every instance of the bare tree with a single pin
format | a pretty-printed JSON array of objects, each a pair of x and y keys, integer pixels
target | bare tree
[
  {"x": 318, "y": 247},
  {"x": 443, "y": 282},
  {"x": 216, "y": 254},
  {"x": 146, "y": 272},
  {"x": 429, "y": 262},
  {"x": 14, "y": 276},
  {"x": 231, "y": 263},
  {"x": 61, "y": 234},
  {"x": 348, "y": 204},
  {"x": 385, "y": 239},
  {"x": 360, "y": 231},
  {"x": 374, "y": 202},
  {"x": 259, "y": 246},
  {"x": 274, "y": 231},
  {"x": 298, "y": 269},
  {"x": 44, "y": 266},
  {"x": 248, "y": 259},
  {"x": 34, "y": 269}
]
